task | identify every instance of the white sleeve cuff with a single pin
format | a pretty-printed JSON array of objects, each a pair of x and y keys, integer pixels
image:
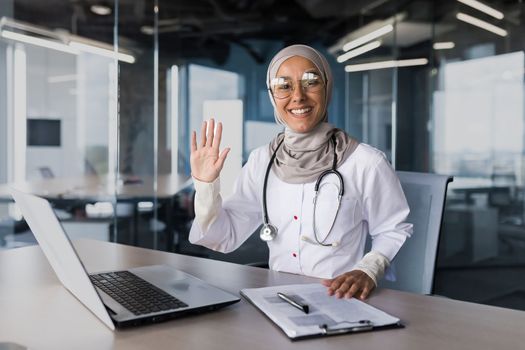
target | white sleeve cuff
[
  {"x": 207, "y": 202},
  {"x": 374, "y": 265}
]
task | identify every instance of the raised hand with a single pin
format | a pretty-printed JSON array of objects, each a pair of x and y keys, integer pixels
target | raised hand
[{"x": 205, "y": 160}]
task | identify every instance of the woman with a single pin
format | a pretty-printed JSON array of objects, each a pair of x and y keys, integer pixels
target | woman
[{"x": 321, "y": 235}]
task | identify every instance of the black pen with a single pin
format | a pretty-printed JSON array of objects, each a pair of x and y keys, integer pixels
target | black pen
[{"x": 301, "y": 306}]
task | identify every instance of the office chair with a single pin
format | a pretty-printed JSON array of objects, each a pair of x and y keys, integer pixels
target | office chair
[{"x": 414, "y": 265}]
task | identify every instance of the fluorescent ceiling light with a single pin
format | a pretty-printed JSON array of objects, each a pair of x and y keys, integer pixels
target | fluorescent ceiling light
[
  {"x": 102, "y": 52},
  {"x": 386, "y": 64},
  {"x": 101, "y": 10},
  {"x": 57, "y": 40},
  {"x": 444, "y": 45},
  {"x": 412, "y": 62},
  {"x": 359, "y": 51},
  {"x": 365, "y": 30},
  {"x": 481, "y": 24},
  {"x": 483, "y": 8},
  {"x": 50, "y": 44},
  {"x": 368, "y": 37}
]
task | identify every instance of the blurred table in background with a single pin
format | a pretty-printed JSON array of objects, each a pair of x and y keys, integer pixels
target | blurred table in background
[{"x": 124, "y": 192}]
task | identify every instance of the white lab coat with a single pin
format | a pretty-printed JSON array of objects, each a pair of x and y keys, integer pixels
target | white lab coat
[{"x": 373, "y": 202}]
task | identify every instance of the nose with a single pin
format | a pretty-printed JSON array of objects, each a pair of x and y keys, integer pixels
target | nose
[{"x": 298, "y": 93}]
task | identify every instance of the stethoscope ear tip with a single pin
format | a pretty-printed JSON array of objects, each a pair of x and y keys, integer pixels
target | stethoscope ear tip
[{"x": 308, "y": 240}]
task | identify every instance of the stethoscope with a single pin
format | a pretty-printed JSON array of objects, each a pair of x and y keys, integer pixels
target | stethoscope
[{"x": 268, "y": 231}]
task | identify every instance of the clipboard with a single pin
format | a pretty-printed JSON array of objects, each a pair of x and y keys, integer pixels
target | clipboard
[{"x": 327, "y": 315}]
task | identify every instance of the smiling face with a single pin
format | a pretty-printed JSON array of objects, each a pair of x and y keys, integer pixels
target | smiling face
[{"x": 304, "y": 108}]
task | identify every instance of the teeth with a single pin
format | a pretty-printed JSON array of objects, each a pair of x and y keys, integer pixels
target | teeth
[{"x": 301, "y": 111}]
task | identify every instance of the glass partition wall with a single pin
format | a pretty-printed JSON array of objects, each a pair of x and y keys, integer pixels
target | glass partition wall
[
  {"x": 455, "y": 106},
  {"x": 477, "y": 104},
  {"x": 100, "y": 102},
  {"x": 60, "y": 116},
  {"x": 79, "y": 120}
]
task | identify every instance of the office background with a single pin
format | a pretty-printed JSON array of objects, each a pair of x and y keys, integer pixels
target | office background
[{"x": 112, "y": 89}]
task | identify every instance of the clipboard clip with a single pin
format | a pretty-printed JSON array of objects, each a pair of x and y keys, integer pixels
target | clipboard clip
[{"x": 357, "y": 326}]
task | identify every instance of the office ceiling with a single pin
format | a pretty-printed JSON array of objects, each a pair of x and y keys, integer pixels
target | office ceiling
[{"x": 208, "y": 28}]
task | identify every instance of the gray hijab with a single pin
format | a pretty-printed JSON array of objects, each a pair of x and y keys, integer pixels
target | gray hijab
[{"x": 302, "y": 157}]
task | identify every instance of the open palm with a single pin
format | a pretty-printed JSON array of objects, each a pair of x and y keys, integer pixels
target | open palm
[{"x": 205, "y": 160}]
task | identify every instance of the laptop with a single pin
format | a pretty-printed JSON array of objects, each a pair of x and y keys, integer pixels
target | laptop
[{"x": 133, "y": 297}]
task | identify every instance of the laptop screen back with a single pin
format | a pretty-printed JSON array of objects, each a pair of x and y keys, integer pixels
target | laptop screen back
[{"x": 60, "y": 252}]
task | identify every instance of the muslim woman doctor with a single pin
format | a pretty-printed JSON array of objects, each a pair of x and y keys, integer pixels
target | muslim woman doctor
[{"x": 315, "y": 233}]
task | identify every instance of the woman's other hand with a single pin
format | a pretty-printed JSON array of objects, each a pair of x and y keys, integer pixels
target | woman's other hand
[
  {"x": 355, "y": 283},
  {"x": 205, "y": 160}
]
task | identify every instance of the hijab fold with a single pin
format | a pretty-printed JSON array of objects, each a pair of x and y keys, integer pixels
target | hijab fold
[{"x": 302, "y": 157}]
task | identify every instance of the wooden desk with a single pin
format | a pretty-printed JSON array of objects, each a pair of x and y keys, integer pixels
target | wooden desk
[{"x": 38, "y": 312}]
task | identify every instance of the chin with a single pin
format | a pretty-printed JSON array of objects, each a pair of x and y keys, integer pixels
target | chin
[
  {"x": 301, "y": 128},
  {"x": 301, "y": 125}
]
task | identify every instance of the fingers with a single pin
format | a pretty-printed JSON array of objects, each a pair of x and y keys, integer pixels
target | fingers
[
  {"x": 203, "y": 134},
  {"x": 335, "y": 284},
  {"x": 328, "y": 283},
  {"x": 353, "y": 290},
  {"x": 218, "y": 137},
  {"x": 208, "y": 135},
  {"x": 222, "y": 158},
  {"x": 346, "y": 288},
  {"x": 193, "y": 141},
  {"x": 209, "y": 139},
  {"x": 366, "y": 292},
  {"x": 211, "y": 131},
  {"x": 351, "y": 284}
]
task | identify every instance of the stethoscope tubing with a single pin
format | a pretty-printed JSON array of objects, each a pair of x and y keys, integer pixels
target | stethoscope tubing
[
  {"x": 333, "y": 170},
  {"x": 265, "y": 209}
]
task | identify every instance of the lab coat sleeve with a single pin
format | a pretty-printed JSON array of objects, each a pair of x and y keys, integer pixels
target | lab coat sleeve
[
  {"x": 385, "y": 209},
  {"x": 224, "y": 226},
  {"x": 374, "y": 265},
  {"x": 207, "y": 202}
]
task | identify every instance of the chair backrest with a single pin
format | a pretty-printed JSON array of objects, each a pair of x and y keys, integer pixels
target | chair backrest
[{"x": 414, "y": 265}]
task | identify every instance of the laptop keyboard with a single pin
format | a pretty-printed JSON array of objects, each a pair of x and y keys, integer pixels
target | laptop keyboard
[{"x": 134, "y": 293}]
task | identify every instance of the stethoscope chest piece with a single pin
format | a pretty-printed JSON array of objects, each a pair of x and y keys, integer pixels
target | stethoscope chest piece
[{"x": 268, "y": 232}]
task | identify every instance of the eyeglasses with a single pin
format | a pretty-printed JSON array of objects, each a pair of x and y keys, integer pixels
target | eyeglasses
[{"x": 282, "y": 87}]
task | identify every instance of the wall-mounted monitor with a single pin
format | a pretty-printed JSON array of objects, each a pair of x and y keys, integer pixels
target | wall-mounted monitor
[{"x": 43, "y": 132}]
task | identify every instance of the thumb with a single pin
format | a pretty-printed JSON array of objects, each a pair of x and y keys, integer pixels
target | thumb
[
  {"x": 222, "y": 158},
  {"x": 326, "y": 282}
]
